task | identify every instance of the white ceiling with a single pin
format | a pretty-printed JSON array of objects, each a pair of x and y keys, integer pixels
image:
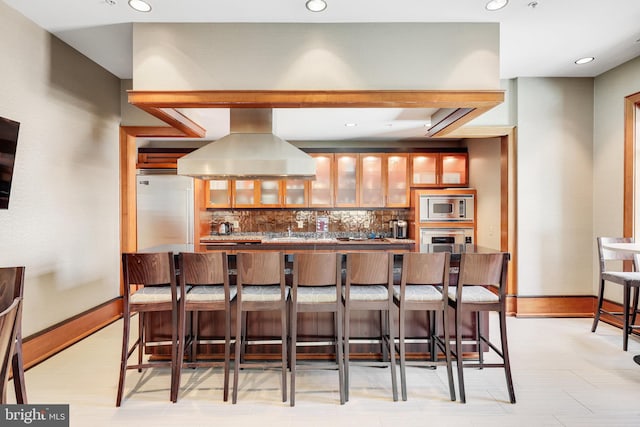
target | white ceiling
[{"x": 540, "y": 41}]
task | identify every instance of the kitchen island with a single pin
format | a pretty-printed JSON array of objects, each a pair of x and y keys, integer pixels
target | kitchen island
[{"x": 265, "y": 325}]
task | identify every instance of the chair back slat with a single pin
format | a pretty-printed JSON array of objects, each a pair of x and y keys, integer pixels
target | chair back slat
[
  {"x": 368, "y": 268},
  {"x": 11, "y": 285},
  {"x": 260, "y": 268},
  {"x": 610, "y": 255},
  {"x": 425, "y": 268},
  {"x": 204, "y": 268},
  {"x": 316, "y": 269},
  {"x": 482, "y": 269},
  {"x": 148, "y": 269},
  {"x": 9, "y": 323}
]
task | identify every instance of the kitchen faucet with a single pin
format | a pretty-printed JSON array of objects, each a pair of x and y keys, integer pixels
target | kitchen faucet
[{"x": 289, "y": 231}]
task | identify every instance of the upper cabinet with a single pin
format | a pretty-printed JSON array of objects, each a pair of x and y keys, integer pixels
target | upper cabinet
[
  {"x": 346, "y": 180},
  {"x": 397, "y": 180},
  {"x": 375, "y": 180},
  {"x": 439, "y": 170},
  {"x": 321, "y": 189},
  {"x": 217, "y": 194}
]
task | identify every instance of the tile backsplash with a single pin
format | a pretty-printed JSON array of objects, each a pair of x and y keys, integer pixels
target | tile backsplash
[{"x": 304, "y": 221}]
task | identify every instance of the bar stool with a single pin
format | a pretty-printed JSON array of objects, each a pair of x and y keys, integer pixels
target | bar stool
[
  {"x": 369, "y": 287},
  {"x": 9, "y": 322},
  {"x": 261, "y": 287},
  {"x": 12, "y": 287},
  {"x": 424, "y": 286},
  {"x": 478, "y": 274},
  {"x": 626, "y": 279},
  {"x": 155, "y": 272},
  {"x": 206, "y": 275},
  {"x": 316, "y": 287}
]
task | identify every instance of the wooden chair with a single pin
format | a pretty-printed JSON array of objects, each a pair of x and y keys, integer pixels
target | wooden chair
[
  {"x": 206, "y": 275},
  {"x": 12, "y": 287},
  {"x": 149, "y": 285},
  {"x": 261, "y": 287},
  {"x": 369, "y": 287},
  {"x": 627, "y": 279},
  {"x": 317, "y": 287},
  {"x": 424, "y": 286},
  {"x": 478, "y": 274},
  {"x": 9, "y": 323}
]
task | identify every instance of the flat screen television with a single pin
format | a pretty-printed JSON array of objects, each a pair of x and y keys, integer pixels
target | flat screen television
[{"x": 8, "y": 142}]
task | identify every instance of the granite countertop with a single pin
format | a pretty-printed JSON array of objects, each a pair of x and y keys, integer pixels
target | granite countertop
[{"x": 305, "y": 239}]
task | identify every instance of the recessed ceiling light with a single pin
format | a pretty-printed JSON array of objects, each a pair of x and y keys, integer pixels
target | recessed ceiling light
[
  {"x": 496, "y": 4},
  {"x": 140, "y": 6},
  {"x": 351, "y": 125},
  {"x": 584, "y": 60},
  {"x": 110, "y": 2},
  {"x": 316, "y": 5}
]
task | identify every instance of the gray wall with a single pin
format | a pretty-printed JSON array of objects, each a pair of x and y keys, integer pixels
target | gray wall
[
  {"x": 555, "y": 185},
  {"x": 63, "y": 216},
  {"x": 316, "y": 56},
  {"x": 608, "y": 148}
]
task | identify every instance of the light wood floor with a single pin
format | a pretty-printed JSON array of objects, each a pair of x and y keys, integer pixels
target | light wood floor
[{"x": 564, "y": 375}]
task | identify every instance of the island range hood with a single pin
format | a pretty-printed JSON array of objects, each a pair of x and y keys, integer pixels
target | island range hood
[{"x": 250, "y": 151}]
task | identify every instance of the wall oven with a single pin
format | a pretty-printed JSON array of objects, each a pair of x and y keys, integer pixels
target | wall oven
[
  {"x": 444, "y": 237},
  {"x": 454, "y": 207}
]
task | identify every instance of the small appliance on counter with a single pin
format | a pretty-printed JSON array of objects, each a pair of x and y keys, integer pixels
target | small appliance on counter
[
  {"x": 402, "y": 229},
  {"x": 225, "y": 228}
]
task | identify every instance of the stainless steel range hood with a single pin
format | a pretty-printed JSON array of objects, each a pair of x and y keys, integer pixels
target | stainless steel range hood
[{"x": 250, "y": 151}]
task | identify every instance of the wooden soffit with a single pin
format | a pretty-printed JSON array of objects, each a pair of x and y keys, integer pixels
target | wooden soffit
[{"x": 459, "y": 106}]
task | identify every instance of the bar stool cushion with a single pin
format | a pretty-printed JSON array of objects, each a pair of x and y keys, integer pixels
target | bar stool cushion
[
  {"x": 632, "y": 278},
  {"x": 151, "y": 294},
  {"x": 206, "y": 293},
  {"x": 368, "y": 293},
  {"x": 418, "y": 293},
  {"x": 263, "y": 293},
  {"x": 316, "y": 294},
  {"x": 474, "y": 294}
]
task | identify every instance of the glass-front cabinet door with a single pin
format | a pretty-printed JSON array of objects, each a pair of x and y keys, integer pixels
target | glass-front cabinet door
[
  {"x": 321, "y": 189},
  {"x": 245, "y": 193},
  {"x": 218, "y": 194},
  {"x": 296, "y": 193},
  {"x": 397, "y": 180},
  {"x": 371, "y": 181},
  {"x": 424, "y": 169},
  {"x": 270, "y": 193},
  {"x": 346, "y": 180},
  {"x": 454, "y": 169}
]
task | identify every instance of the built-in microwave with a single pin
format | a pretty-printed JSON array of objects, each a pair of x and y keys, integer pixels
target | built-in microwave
[{"x": 458, "y": 207}]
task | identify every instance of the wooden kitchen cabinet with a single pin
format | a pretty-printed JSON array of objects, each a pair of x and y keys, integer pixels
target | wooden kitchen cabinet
[
  {"x": 258, "y": 193},
  {"x": 296, "y": 193},
  {"x": 372, "y": 180},
  {"x": 346, "y": 180},
  {"x": 439, "y": 170},
  {"x": 397, "y": 180},
  {"x": 217, "y": 194},
  {"x": 321, "y": 189}
]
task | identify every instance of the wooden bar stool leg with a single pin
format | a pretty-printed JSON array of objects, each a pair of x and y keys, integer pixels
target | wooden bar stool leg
[
  {"x": 505, "y": 356},
  {"x": 126, "y": 320},
  {"x": 392, "y": 355},
  {"x": 401, "y": 335},
  {"x": 283, "y": 324},
  {"x": 340, "y": 354},
  {"x": 227, "y": 353},
  {"x": 347, "y": 315},
  {"x": 596, "y": 318},
  {"x": 625, "y": 318},
  {"x": 17, "y": 366},
  {"x": 294, "y": 336},
  {"x": 459, "y": 364},
  {"x": 447, "y": 349},
  {"x": 238, "y": 357},
  {"x": 479, "y": 341}
]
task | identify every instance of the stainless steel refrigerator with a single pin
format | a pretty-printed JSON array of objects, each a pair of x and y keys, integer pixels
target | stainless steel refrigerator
[{"x": 164, "y": 209}]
